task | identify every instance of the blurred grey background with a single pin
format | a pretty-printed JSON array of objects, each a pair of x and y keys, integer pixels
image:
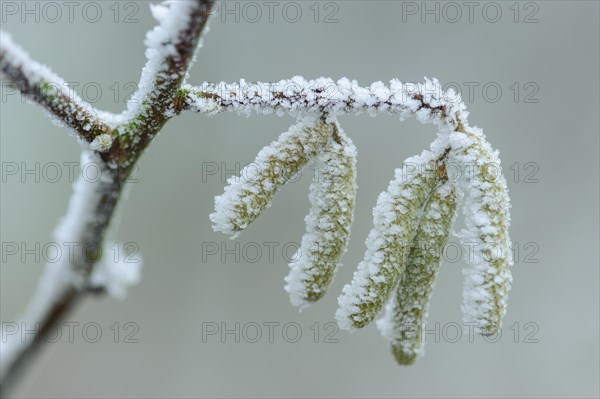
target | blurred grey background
[{"x": 544, "y": 58}]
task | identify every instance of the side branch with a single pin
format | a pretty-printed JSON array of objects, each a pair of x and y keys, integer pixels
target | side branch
[
  {"x": 39, "y": 84},
  {"x": 427, "y": 101}
]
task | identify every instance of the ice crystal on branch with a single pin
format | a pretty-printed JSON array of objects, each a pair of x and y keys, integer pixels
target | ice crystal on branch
[
  {"x": 116, "y": 272},
  {"x": 427, "y": 101}
]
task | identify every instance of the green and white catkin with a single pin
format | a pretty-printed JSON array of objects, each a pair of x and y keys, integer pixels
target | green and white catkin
[
  {"x": 406, "y": 311},
  {"x": 395, "y": 219},
  {"x": 249, "y": 194},
  {"x": 486, "y": 210},
  {"x": 332, "y": 196}
]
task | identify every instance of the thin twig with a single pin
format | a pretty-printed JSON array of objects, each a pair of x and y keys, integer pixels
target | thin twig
[
  {"x": 427, "y": 101},
  {"x": 39, "y": 84}
]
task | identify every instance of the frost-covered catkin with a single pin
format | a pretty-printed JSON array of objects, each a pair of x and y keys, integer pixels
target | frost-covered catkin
[
  {"x": 487, "y": 218},
  {"x": 249, "y": 194},
  {"x": 406, "y": 312},
  {"x": 395, "y": 218},
  {"x": 332, "y": 195}
]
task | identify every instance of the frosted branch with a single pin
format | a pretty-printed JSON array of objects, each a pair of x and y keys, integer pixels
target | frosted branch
[
  {"x": 427, "y": 101},
  {"x": 170, "y": 51},
  {"x": 39, "y": 84},
  {"x": 63, "y": 283}
]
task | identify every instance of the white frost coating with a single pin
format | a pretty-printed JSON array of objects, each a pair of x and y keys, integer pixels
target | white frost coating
[
  {"x": 487, "y": 219},
  {"x": 116, "y": 272},
  {"x": 332, "y": 195},
  {"x": 172, "y": 17},
  {"x": 101, "y": 143},
  {"x": 34, "y": 71},
  {"x": 84, "y": 199},
  {"x": 388, "y": 243},
  {"x": 58, "y": 276},
  {"x": 323, "y": 95}
]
